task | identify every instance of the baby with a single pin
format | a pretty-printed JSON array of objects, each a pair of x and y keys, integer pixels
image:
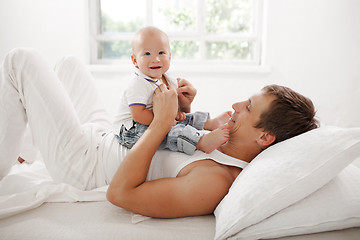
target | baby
[{"x": 151, "y": 56}]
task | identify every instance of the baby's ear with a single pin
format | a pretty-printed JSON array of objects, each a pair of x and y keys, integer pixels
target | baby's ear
[{"x": 133, "y": 59}]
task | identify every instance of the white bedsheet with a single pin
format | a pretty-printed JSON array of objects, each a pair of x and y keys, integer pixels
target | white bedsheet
[
  {"x": 27, "y": 186},
  {"x": 100, "y": 221}
]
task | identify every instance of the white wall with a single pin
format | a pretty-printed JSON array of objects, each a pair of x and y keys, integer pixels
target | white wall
[
  {"x": 56, "y": 27},
  {"x": 312, "y": 46}
]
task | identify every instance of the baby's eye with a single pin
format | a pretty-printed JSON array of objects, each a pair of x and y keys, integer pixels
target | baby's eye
[
  {"x": 147, "y": 53},
  {"x": 161, "y": 52}
]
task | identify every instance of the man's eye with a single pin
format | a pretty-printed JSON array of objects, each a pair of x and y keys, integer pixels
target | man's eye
[{"x": 248, "y": 107}]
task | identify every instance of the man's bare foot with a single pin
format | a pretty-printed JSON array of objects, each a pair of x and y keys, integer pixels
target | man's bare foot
[
  {"x": 21, "y": 160},
  {"x": 211, "y": 141},
  {"x": 217, "y": 122}
]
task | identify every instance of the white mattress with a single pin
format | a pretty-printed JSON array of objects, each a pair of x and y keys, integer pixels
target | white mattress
[
  {"x": 101, "y": 220},
  {"x": 32, "y": 206}
]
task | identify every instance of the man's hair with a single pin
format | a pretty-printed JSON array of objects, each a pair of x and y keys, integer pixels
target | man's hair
[{"x": 290, "y": 114}]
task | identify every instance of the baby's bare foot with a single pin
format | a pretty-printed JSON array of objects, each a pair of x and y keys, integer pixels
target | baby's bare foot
[
  {"x": 217, "y": 122},
  {"x": 211, "y": 141}
]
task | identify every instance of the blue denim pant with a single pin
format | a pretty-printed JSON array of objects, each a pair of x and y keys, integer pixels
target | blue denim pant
[{"x": 183, "y": 137}]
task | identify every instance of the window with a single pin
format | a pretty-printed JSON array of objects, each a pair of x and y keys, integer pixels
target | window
[{"x": 220, "y": 31}]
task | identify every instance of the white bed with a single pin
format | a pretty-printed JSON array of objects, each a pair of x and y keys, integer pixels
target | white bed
[
  {"x": 306, "y": 186},
  {"x": 101, "y": 220}
]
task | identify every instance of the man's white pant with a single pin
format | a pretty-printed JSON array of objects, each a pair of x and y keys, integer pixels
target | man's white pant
[{"x": 62, "y": 109}]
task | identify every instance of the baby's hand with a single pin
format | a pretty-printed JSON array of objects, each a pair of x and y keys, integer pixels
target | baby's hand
[{"x": 180, "y": 116}]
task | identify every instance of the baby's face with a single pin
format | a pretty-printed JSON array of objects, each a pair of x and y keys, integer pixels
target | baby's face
[{"x": 152, "y": 55}]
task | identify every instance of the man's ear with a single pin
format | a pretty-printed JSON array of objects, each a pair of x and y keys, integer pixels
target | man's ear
[
  {"x": 265, "y": 139},
  {"x": 133, "y": 59}
]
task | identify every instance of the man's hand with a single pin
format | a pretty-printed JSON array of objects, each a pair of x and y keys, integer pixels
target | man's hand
[
  {"x": 186, "y": 94},
  {"x": 165, "y": 104}
]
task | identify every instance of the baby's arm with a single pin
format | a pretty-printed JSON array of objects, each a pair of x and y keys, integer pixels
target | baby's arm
[{"x": 141, "y": 115}]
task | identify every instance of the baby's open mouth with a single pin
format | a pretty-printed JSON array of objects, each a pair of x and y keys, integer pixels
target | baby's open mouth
[{"x": 156, "y": 67}]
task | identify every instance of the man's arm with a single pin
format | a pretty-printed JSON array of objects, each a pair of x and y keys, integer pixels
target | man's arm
[{"x": 196, "y": 193}]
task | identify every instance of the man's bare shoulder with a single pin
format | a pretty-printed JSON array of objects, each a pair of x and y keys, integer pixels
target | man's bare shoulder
[
  {"x": 210, "y": 166},
  {"x": 209, "y": 175},
  {"x": 206, "y": 185},
  {"x": 195, "y": 192}
]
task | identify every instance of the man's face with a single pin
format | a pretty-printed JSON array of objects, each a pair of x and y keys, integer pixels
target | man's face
[{"x": 246, "y": 115}]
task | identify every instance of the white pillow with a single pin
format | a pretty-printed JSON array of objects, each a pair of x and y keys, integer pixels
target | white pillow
[
  {"x": 335, "y": 206},
  {"x": 284, "y": 174}
]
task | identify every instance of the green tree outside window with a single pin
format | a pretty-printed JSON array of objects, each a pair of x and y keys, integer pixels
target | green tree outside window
[{"x": 221, "y": 17}]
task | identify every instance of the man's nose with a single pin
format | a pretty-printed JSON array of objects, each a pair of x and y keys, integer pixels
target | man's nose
[{"x": 238, "y": 106}]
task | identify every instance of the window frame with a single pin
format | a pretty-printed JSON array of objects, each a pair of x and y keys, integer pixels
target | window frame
[{"x": 181, "y": 64}]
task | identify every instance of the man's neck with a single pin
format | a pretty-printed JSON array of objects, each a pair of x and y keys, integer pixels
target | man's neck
[{"x": 245, "y": 153}]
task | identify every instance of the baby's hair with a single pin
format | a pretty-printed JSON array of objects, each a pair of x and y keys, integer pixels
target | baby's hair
[{"x": 146, "y": 30}]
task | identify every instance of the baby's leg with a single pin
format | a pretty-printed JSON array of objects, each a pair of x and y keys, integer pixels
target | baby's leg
[
  {"x": 214, "y": 123},
  {"x": 182, "y": 138},
  {"x": 196, "y": 120},
  {"x": 211, "y": 141}
]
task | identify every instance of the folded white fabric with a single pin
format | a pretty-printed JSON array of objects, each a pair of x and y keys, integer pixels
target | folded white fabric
[
  {"x": 28, "y": 186},
  {"x": 284, "y": 174},
  {"x": 137, "y": 218}
]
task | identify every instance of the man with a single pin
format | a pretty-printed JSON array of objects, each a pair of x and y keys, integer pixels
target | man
[
  {"x": 199, "y": 186},
  {"x": 73, "y": 133}
]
